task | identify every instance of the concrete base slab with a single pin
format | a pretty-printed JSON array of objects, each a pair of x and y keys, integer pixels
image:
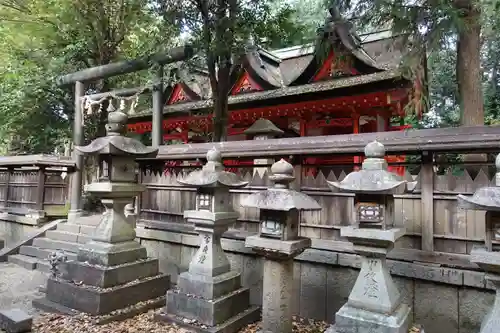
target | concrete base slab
[
  {"x": 353, "y": 320},
  {"x": 99, "y": 301},
  {"x": 232, "y": 325},
  {"x": 208, "y": 312}
]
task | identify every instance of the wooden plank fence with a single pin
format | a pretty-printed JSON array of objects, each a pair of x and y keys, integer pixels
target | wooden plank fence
[
  {"x": 430, "y": 214},
  {"x": 33, "y": 188}
]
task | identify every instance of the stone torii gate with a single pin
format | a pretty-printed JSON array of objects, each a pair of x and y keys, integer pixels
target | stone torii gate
[{"x": 78, "y": 79}]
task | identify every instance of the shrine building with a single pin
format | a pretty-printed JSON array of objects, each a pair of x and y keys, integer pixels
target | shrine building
[{"x": 351, "y": 84}]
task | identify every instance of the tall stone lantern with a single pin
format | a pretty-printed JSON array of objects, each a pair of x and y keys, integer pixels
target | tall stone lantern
[
  {"x": 375, "y": 304},
  {"x": 112, "y": 271},
  {"x": 279, "y": 242},
  {"x": 488, "y": 256},
  {"x": 209, "y": 296}
]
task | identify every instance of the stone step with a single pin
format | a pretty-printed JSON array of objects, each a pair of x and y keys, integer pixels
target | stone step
[
  {"x": 67, "y": 236},
  {"x": 73, "y": 228},
  {"x": 52, "y": 244},
  {"x": 92, "y": 220},
  {"x": 42, "y": 254},
  {"x": 23, "y": 261},
  {"x": 76, "y": 228},
  {"x": 31, "y": 263},
  {"x": 28, "y": 250},
  {"x": 43, "y": 265}
]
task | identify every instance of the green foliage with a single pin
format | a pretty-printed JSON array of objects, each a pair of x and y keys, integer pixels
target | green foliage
[
  {"x": 40, "y": 40},
  {"x": 221, "y": 30}
]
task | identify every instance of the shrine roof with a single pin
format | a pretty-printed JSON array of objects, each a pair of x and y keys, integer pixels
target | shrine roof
[
  {"x": 340, "y": 58},
  {"x": 316, "y": 87}
]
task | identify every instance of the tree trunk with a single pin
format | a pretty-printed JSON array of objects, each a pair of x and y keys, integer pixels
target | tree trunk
[
  {"x": 220, "y": 119},
  {"x": 469, "y": 75},
  {"x": 469, "y": 69}
]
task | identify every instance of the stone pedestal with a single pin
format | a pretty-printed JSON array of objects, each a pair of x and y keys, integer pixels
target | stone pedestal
[
  {"x": 374, "y": 304},
  {"x": 277, "y": 296},
  {"x": 490, "y": 263}
]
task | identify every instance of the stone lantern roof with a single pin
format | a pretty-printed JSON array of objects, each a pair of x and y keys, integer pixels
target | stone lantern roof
[
  {"x": 263, "y": 126},
  {"x": 212, "y": 174},
  {"x": 280, "y": 197},
  {"x": 373, "y": 178},
  {"x": 485, "y": 198},
  {"x": 115, "y": 142}
]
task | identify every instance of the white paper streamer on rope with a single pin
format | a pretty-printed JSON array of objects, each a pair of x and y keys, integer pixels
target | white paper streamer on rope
[{"x": 87, "y": 103}]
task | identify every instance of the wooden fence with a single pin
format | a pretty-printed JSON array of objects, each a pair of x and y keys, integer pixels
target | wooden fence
[
  {"x": 430, "y": 214},
  {"x": 34, "y": 183}
]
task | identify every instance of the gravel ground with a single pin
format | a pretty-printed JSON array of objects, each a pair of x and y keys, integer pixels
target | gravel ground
[
  {"x": 19, "y": 286},
  {"x": 144, "y": 323}
]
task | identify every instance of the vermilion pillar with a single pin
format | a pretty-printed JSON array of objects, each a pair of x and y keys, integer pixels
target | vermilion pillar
[{"x": 355, "y": 130}]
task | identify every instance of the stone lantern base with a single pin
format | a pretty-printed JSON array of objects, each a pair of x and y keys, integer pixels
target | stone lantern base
[
  {"x": 209, "y": 297},
  {"x": 374, "y": 304},
  {"x": 105, "y": 277}
]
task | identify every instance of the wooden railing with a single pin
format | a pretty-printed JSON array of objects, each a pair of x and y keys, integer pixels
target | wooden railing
[
  {"x": 430, "y": 214},
  {"x": 34, "y": 183}
]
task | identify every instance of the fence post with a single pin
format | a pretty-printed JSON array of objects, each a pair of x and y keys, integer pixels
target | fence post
[
  {"x": 427, "y": 200},
  {"x": 138, "y": 199},
  {"x": 6, "y": 189},
  {"x": 40, "y": 190}
]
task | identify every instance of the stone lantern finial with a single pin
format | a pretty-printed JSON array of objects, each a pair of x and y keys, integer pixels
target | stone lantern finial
[
  {"x": 117, "y": 123},
  {"x": 374, "y": 150},
  {"x": 214, "y": 161},
  {"x": 282, "y": 174}
]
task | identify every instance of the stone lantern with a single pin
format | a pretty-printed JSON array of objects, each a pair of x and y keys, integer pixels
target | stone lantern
[
  {"x": 488, "y": 256},
  {"x": 112, "y": 271},
  {"x": 374, "y": 304},
  {"x": 279, "y": 242},
  {"x": 209, "y": 296},
  {"x": 263, "y": 129}
]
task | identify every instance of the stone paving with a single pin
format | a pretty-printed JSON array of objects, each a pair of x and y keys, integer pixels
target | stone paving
[{"x": 18, "y": 287}]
